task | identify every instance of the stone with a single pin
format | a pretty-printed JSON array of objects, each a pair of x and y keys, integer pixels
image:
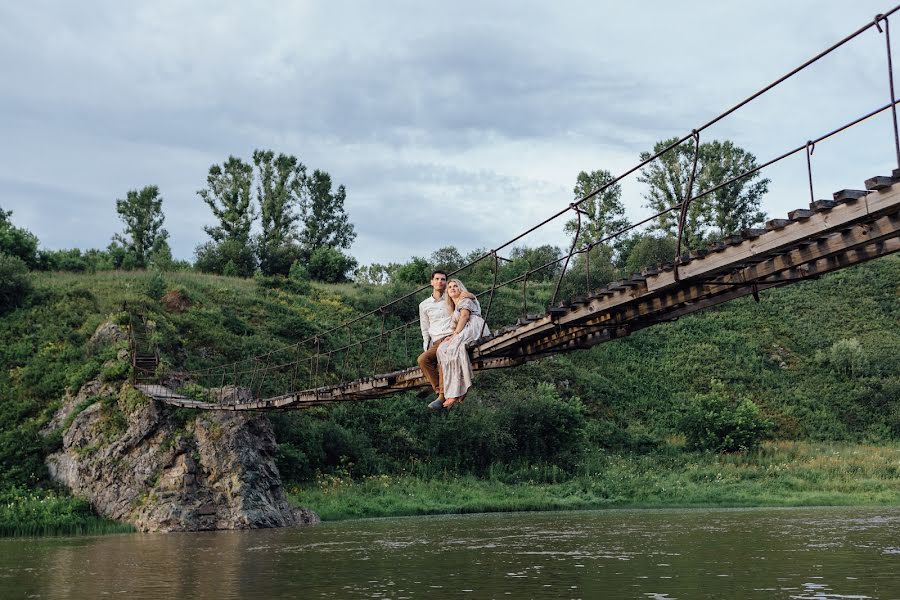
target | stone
[
  {"x": 105, "y": 334},
  {"x": 215, "y": 472}
]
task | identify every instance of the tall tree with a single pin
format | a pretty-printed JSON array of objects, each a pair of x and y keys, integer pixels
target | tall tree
[
  {"x": 326, "y": 223},
  {"x": 606, "y": 214},
  {"x": 280, "y": 190},
  {"x": 228, "y": 195},
  {"x": 724, "y": 212},
  {"x": 141, "y": 211}
]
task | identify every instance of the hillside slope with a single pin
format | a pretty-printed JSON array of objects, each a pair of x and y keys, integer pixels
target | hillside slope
[{"x": 821, "y": 359}]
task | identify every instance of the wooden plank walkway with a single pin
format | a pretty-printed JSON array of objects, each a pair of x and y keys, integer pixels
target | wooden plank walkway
[{"x": 854, "y": 227}]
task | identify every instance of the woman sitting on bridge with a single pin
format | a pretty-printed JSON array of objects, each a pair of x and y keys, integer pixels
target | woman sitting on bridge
[{"x": 468, "y": 326}]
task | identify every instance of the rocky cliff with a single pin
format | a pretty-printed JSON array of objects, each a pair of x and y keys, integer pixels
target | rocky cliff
[{"x": 163, "y": 469}]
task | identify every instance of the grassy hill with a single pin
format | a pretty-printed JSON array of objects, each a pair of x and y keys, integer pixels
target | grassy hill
[{"x": 820, "y": 359}]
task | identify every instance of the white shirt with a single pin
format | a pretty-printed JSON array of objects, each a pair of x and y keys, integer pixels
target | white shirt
[{"x": 434, "y": 320}]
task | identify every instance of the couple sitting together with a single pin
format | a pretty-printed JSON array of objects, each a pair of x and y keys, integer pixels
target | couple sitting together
[{"x": 450, "y": 319}]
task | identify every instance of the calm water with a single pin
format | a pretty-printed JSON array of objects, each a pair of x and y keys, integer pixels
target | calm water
[{"x": 795, "y": 553}]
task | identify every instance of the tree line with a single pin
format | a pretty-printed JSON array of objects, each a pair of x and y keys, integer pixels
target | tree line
[
  {"x": 301, "y": 216},
  {"x": 304, "y": 231},
  {"x": 724, "y": 212}
]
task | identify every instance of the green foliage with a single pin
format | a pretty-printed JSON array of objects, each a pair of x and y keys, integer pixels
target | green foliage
[
  {"x": 605, "y": 211},
  {"x": 141, "y": 212},
  {"x": 847, "y": 357},
  {"x": 719, "y": 421},
  {"x": 778, "y": 474},
  {"x": 543, "y": 428},
  {"x": 298, "y": 279},
  {"x": 416, "y": 271},
  {"x": 649, "y": 251},
  {"x": 78, "y": 261},
  {"x": 525, "y": 259},
  {"x": 281, "y": 187},
  {"x": 26, "y": 512},
  {"x": 17, "y": 242},
  {"x": 447, "y": 259},
  {"x": 325, "y": 221},
  {"x": 115, "y": 370},
  {"x": 156, "y": 286},
  {"x": 15, "y": 284},
  {"x": 621, "y": 397},
  {"x": 728, "y": 210},
  {"x": 233, "y": 258},
  {"x": 227, "y": 194},
  {"x": 330, "y": 265}
]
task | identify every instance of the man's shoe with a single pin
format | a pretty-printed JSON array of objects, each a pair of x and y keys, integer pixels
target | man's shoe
[{"x": 437, "y": 403}]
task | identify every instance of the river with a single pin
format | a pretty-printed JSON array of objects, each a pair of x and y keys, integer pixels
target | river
[{"x": 651, "y": 554}]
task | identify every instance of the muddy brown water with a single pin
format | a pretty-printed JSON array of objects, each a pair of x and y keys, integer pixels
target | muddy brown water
[{"x": 657, "y": 554}]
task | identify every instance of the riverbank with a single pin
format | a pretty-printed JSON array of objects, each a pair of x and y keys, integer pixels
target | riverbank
[
  {"x": 778, "y": 474},
  {"x": 25, "y": 513}
]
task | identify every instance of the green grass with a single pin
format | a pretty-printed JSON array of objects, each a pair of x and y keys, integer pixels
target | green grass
[
  {"x": 31, "y": 513},
  {"x": 779, "y": 474}
]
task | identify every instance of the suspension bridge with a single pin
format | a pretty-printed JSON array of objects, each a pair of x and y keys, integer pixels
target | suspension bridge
[{"x": 854, "y": 225}]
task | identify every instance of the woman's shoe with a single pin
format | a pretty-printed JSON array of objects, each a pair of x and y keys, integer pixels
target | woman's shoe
[{"x": 449, "y": 403}]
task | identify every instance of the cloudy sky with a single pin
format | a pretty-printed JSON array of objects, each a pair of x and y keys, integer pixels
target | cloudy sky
[{"x": 450, "y": 123}]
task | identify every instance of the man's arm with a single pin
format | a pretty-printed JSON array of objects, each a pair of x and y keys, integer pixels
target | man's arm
[{"x": 424, "y": 323}]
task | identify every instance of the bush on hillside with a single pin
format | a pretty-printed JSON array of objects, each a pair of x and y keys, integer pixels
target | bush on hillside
[
  {"x": 15, "y": 283},
  {"x": 717, "y": 421},
  {"x": 846, "y": 357},
  {"x": 330, "y": 265},
  {"x": 231, "y": 258}
]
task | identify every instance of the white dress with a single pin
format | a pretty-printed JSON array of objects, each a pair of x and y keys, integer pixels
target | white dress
[{"x": 453, "y": 357}]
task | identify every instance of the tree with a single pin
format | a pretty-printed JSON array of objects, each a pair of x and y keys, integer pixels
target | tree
[
  {"x": 721, "y": 213},
  {"x": 325, "y": 221},
  {"x": 606, "y": 214},
  {"x": 18, "y": 242},
  {"x": 330, "y": 265},
  {"x": 524, "y": 259},
  {"x": 447, "y": 258},
  {"x": 280, "y": 189},
  {"x": 141, "y": 211},
  {"x": 228, "y": 196},
  {"x": 647, "y": 251}
]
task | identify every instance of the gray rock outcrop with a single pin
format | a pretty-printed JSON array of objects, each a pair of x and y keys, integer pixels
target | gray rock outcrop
[{"x": 163, "y": 470}]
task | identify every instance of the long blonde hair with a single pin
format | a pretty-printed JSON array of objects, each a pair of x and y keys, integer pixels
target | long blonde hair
[{"x": 463, "y": 293}]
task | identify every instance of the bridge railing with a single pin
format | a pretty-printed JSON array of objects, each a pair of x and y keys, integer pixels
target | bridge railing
[{"x": 388, "y": 338}]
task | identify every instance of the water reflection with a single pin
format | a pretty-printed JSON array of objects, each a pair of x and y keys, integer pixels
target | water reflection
[{"x": 663, "y": 555}]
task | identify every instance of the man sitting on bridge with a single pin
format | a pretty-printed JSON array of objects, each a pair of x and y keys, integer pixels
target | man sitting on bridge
[{"x": 435, "y": 322}]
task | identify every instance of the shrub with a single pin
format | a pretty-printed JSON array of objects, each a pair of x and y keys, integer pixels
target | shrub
[
  {"x": 543, "y": 428},
  {"x": 720, "y": 422},
  {"x": 156, "y": 287},
  {"x": 298, "y": 279},
  {"x": 231, "y": 257},
  {"x": 648, "y": 251},
  {"x": 330, "y": 265},
  {"x": 847, "y": 357},
  {"x": 15, "y": 283}
]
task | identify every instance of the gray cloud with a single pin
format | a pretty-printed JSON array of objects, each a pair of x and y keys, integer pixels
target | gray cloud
[{"x": 481, "y": 114}]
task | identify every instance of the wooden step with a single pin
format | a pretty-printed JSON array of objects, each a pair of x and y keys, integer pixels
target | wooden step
[
  {"x": 800, "y": 214},
  {"x": 879, "y": 182},
  {"x": 849, "y": 195},
  {"x": 821, "y": 205}
]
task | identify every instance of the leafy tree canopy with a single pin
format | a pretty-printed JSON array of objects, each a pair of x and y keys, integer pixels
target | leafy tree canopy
[
  {"x": 727, "y": 210},
  {"x": 141, "y": 212}
]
